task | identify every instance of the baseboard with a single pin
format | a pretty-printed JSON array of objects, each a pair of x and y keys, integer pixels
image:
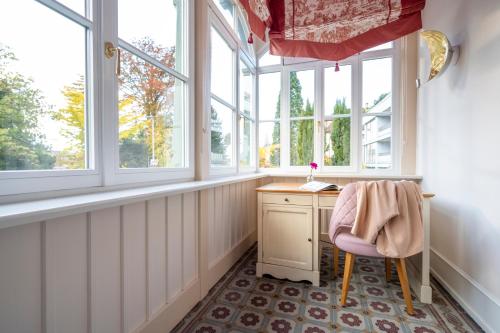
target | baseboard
[
  {"x": 473, "y": 297},
  {"x": 172, "y": 313},
  {"x": 217, "y": 270}
]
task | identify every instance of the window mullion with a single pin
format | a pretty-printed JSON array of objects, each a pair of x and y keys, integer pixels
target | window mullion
[
  {"x": 318, "y": 115},
  {"x": 356, "y": 87},
  {"x": 285, "y": 119}
]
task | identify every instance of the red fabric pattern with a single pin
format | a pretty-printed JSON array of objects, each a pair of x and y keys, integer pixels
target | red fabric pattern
[{"x": 332, "y": 29}]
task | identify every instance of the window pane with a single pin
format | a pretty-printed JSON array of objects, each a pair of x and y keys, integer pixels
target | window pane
[
  {"x": 337, "y": 149},
  {"x": 151, "y": 116},
  {"x": 246, "y": 143},
  {"x": 377, "y": 85},
  {"x": 43, "y": 97},
  {"x": 269, "y": 144},
  {"x": 302, "y": 93},
  {"x": 385, "y": 46},
  {"x": 246, "y": 90},
  {"x": 222, "y": 82},
  {"x": 221, "y": 120},
  {"x": 337, "y": 91},
  {"x": 301, "y": 142},
  {"x": 77, "y": 5},
  {"x": 268, "y": 59},
  {"x": 269, "y": 96},
  {"x": 243, "y": 35},
  {"x": 156, "y": 28},
  {"x": 227, "y": 9},
  {"x": 376, "y": 132}
]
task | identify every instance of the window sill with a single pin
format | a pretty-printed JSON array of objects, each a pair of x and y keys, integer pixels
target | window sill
[
  {"x": 14, "y": 214},
  {"x": 284, "y": 173}
]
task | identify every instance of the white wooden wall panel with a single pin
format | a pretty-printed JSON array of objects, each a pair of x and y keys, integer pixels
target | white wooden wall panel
[
  {"x": 66, "y": 274},
  {"x": 20, "y": 273},
  {"x": 134, "y": 265},
  {"x": 120, "y": 269},
  {"x": 157, "y": 254},
  {"x": 220, "y": 221},
  {"x": 105, "y": 271},
  {"x": 226, "y": 231},
  {"x": 211, "y": 225},
  {"x": 190, "y": 239},
  {"x": 174, "y": 246}
]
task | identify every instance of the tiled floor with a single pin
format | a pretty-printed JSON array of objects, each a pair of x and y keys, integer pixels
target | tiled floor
[{"x": 242, "y": 303}]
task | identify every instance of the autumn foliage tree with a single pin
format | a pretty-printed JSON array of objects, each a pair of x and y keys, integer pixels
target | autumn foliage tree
[{"x": 150, "y": 91}]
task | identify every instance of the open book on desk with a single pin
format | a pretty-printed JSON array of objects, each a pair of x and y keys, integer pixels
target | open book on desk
[{"x": 320, "y": 186}]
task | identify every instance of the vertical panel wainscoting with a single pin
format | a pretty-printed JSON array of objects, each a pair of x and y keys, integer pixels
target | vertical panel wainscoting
[
  {"x": 228, "y": 228},
  {"x": 138, "y": 267}
]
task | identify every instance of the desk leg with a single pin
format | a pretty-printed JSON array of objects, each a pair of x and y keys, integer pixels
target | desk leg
[
  {"x": 259, "y": 269},
  {"x": 426, "y": 290},
  {"x": 316, "y": 235}
]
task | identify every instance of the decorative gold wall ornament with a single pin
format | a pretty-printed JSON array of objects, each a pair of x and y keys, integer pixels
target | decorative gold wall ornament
[{"x": 441, "y": 53}]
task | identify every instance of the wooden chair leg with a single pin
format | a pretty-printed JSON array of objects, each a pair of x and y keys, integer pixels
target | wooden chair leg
[
  {"x": 403, "y": 279},
  {"x": 335, "y": 254},
  {"x": 388, "y": 268},
  {"x": 349, "y": 264}
]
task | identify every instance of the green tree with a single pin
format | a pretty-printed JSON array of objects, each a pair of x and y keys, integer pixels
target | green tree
[
  {"x": 72, "y": 120},
  {"x": 339, "y": 137},
  {"x": 301, "y": 131},
  {"x": 275, "y": 153},
  {"x": 22, "y": 144}
]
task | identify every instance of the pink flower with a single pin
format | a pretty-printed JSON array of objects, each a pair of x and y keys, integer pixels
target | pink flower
[{"x": 313, "y": 165}]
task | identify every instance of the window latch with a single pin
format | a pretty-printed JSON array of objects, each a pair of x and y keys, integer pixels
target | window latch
[{"x": 110, "y": 51}]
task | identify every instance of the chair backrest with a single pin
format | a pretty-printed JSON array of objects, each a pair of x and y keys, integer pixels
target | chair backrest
[{"x": 344, "y": 211}]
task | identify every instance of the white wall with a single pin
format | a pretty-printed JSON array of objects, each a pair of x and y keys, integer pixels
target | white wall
[
  {"x": 459, "y": 155},
  {"x": 136, "y": 267}
]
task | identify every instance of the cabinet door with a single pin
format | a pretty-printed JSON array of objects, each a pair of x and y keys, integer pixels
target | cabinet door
[{"x": 287, "y": 236}]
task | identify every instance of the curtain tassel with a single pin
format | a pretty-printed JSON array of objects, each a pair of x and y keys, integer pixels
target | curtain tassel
[
  {"x": 250, "y": 39},
  {"x": 337, "y": 68}
]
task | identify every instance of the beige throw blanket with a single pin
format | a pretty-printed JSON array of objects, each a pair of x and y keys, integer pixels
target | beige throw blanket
[{"x": 390, "y": 214}]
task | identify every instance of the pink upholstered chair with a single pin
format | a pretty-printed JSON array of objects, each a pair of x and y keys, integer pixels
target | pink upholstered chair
[{"x": 345, "y": 209}]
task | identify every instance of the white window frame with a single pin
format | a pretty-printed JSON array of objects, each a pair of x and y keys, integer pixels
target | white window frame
[
  {"x": 101, "y": 21},
  {"x": 28, "y": 181},
  {"x": 298, "y": 64},
  {"x": 217, "y": 20},
  {"x": 113, "y": 174}
]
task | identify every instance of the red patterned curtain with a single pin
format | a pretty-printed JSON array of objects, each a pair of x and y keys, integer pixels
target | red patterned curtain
[{"x": 331, "y": 29}]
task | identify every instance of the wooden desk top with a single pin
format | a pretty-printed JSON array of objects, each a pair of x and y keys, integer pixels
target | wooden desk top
[{"x": 294, "y": 188}]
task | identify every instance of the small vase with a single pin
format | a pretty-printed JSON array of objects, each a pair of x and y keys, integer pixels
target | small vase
[{"x": 310, "y": 178}]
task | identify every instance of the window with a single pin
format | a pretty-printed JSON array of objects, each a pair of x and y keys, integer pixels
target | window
[
  {"x": 247, "y": 116},
  {"x": 301, "y": 106},
  {"x": 45, "y": 109},
  {"x": 339, "y": 115},
  {"x": 223, "y": 104},
  {"x": 269, "y": 120},
  {"x": 376, "y": 110},
  {"x": 268, "y": 59},
  {"x": 69, "y": 118},
  {"x": 232, "y": 81},
  {"x": 151, "y": 105}
]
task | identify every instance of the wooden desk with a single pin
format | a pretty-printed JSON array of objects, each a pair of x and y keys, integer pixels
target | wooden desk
[{"x": 289, "y": 235}]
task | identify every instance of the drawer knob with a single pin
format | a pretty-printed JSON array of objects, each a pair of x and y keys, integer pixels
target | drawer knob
[
  {"x": 309, "y": 240},
  {"x": 286, "y": 200}
]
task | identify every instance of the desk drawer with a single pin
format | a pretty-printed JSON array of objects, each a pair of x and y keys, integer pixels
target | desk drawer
[
  {"x": 287, "y": 199},
  {"x": 327, "y": 201}
]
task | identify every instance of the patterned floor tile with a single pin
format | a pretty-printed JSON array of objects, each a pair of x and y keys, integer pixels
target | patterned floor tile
[{"x": 240, "y": 302}]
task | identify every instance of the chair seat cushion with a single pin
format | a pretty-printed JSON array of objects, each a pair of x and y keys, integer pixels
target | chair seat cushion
[{"x": 352, "y": 244}]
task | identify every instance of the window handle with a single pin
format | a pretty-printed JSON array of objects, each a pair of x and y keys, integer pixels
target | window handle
[{"x": 109, "y": 51}]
